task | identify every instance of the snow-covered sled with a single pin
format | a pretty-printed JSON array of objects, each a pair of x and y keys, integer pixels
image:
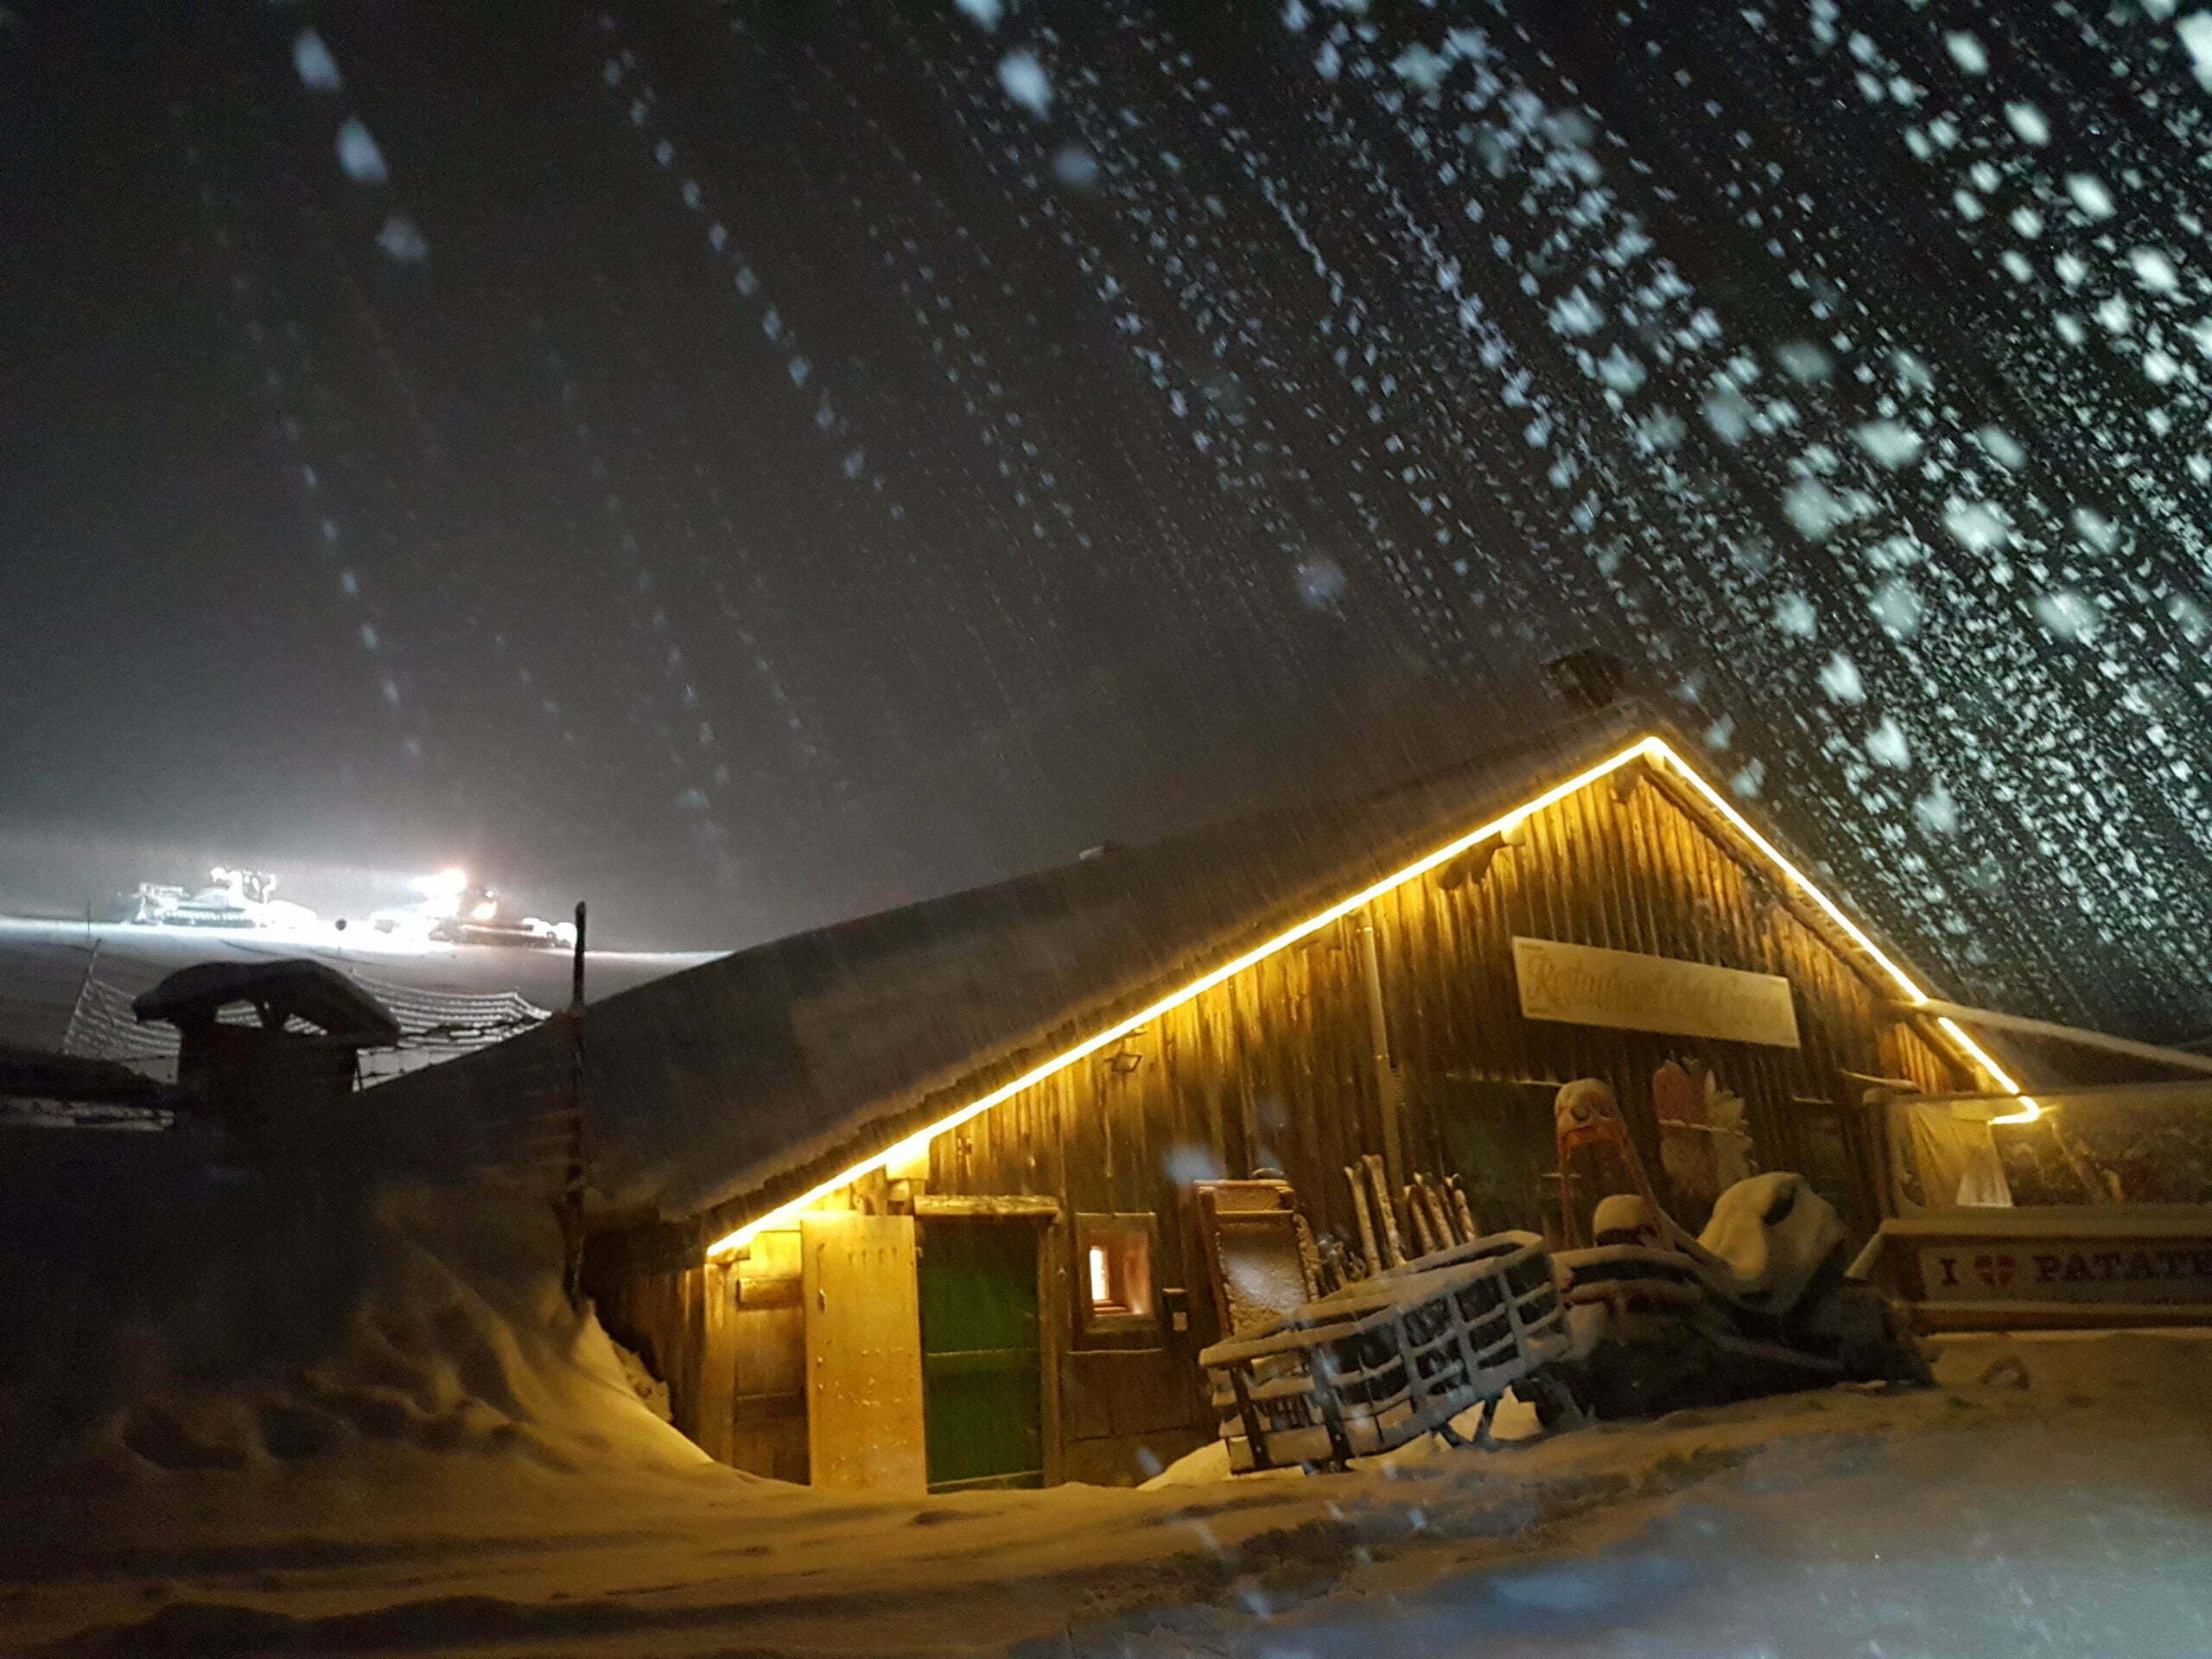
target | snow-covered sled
[
  {"x": 1387, "y": 1359},
  {"x": 1756, "y": 1304}
]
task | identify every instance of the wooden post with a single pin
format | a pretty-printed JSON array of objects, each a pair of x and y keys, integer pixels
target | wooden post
[
  {"x": 1464, "y": 1211},
  {"x": 1388, "y": 1091},
  {"x": 1386, "y": 1211},
  {"x": 2180, "y": 1059},
  {"x": 1373, "y": 1262},
  {"x": 572, "y": 1186}
]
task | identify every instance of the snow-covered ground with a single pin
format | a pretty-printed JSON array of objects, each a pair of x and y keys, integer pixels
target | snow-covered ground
[
  {"x": 66, "y": 986},
  {"x": 240, "y": 1419},
  {"x": 2064, "y": 1518}
]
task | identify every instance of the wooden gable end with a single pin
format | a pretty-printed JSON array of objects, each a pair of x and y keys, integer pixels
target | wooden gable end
[{"x": 1274, "y": 1068}]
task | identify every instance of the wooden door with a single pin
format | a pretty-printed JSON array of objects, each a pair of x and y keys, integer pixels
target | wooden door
[
  {"x": 767, "y": 1326},
  {"x": 863, "y": 1353},
  {"x": 981, "y": 1366}
]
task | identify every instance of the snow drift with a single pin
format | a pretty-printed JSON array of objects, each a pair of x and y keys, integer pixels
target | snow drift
[{"x": 177, "y": 1316}]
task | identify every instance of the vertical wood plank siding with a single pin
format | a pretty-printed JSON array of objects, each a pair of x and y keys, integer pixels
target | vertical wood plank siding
[{"x": 1275, "y": 1065}]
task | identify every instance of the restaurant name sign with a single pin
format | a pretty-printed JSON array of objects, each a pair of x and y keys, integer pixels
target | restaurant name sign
[
  {"x": 1582, "y": 985},
  {"x": 2057, "y": 1269}
]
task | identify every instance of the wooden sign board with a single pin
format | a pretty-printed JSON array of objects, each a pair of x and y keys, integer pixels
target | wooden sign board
[
  {"x": 1582, "y": 985},
  {"x": 2047, "y": 1266},
  {"x": 2069, "y": 1269}
]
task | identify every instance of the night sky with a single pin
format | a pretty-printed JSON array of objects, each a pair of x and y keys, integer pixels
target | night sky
[{"x": 753, "y": 464}]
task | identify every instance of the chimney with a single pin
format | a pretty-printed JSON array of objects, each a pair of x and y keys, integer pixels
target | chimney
[
  {"x": 1586, "y": 680},
  {"x": 269, "y": 1080}
]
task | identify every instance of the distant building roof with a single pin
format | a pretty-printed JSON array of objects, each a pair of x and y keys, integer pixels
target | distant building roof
[{"x": 29, "y": 1074}]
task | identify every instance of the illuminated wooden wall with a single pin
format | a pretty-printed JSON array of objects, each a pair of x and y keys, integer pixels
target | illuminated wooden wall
[{"x": 1273, "y": 1067}]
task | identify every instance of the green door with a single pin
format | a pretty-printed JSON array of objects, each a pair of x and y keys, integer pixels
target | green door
[{"x": 982, "y": 1380}]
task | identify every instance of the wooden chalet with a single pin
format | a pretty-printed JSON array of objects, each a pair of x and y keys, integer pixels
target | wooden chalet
[{"x": 922, "y": 1200}]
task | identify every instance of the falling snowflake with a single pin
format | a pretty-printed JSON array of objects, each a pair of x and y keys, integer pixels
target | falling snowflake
[
  {"x": 1075, "y": 167},
  {"x": 1321, "y": 581},
  {"x": 1890, "y": 443},
  {"x": 1026, "y": 82},
  {"x": 2068, "y": 615},
  {"x": 2090, "y": 194},
  {"x": 2028, "y": 122},
  {"x": 1898, "y": 608},
  {"x": 2195, "y": 32},
  {"x": 401, "y": 240},
  {"x": 358, "y": 154},
  {"x": 1815, "y": 509},
  {"x": 1840, "y": 680},
  {"x": 1967, "y": 52},
  {"x": 2155, "y": 270},
  {"x": 318, "y": 70},
  {"x": 1978, "y": 526},
  {"x": 1936, "y": 812},
  {"x": 1887, "y": 744},
  {"x": 1794, "y": 613},
  {"x": 1804, "y": 360}
]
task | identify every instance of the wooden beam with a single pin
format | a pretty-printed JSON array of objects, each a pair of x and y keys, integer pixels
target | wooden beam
[
  {"x": 2179, "y": 1058},
  {"x": 1945, "y": 1048},
  {"x": 1895, "y": 1085},
  {"x": 1019, "y": 1206}
]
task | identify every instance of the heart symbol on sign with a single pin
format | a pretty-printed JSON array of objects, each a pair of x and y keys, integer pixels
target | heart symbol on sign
[{"x": 1995, "y": 1269}]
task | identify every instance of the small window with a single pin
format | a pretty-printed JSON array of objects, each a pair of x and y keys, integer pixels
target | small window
[{"x": 1115, "y": 1271}]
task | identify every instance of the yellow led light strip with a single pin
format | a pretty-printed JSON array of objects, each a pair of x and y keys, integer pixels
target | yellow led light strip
[{"x": 1652, "y": 748}]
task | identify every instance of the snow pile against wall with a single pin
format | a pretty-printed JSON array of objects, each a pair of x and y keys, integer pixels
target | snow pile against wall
[{"x": 178, "y": 1321}]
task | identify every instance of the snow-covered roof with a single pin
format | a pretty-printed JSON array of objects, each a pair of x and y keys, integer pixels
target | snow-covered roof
[
  {"x": 292, "y": 985},
  {"x": 720, "y": 1092},
  {"x": 31, "y": 1074}
]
